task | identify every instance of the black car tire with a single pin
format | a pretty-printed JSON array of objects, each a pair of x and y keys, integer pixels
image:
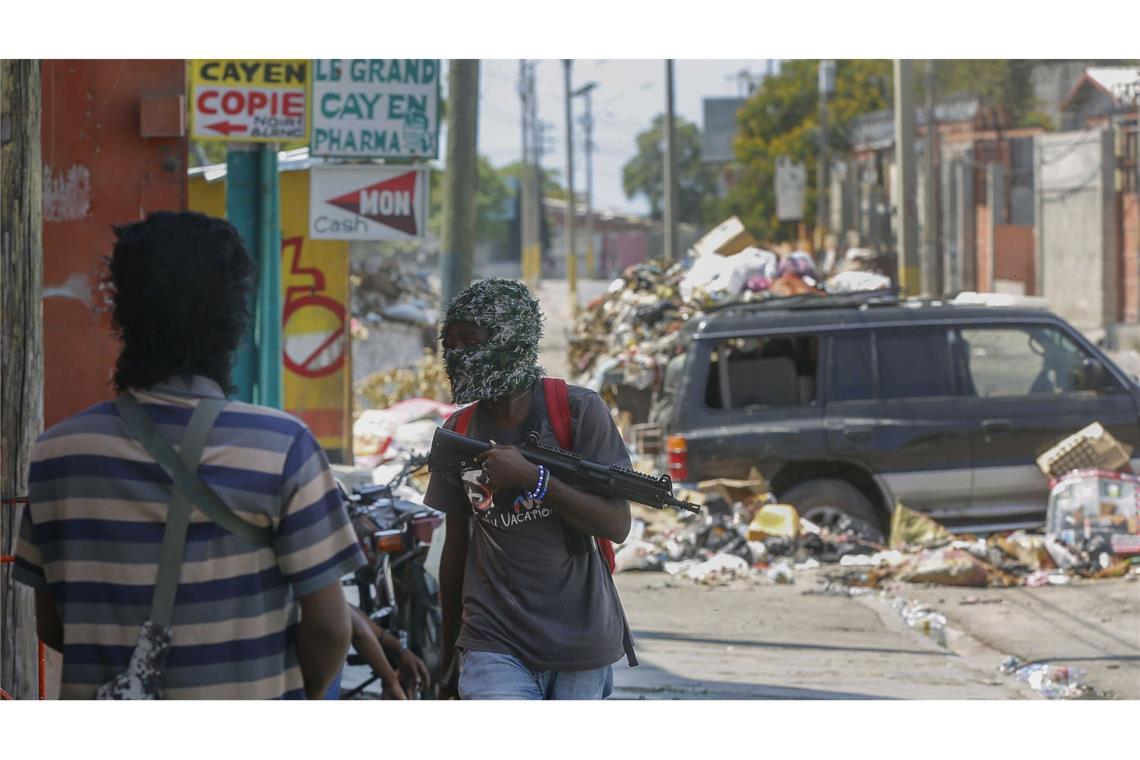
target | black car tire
[{"x": 820, "y": 501}]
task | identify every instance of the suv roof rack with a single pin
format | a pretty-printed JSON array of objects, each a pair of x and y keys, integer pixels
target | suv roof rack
[{"x": 884, "y": 297}]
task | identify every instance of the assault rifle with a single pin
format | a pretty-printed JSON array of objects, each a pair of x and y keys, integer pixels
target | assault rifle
[{"x": 454, "y": 453}]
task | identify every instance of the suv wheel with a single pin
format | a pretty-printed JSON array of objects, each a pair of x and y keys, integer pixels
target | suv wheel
[{"x": 827, "y": 502}]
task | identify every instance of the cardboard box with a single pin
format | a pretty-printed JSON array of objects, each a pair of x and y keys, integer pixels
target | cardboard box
[
  {"x": 726, "y": 238},
  {"x": 1092, "y": 447}
]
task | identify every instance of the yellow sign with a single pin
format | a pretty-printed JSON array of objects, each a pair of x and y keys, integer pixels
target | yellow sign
[
  {"x": 250, "y": 100},
  {"x": 316, "y": 347}
]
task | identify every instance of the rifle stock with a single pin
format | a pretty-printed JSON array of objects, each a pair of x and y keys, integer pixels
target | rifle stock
[{"x": 453, "y": 453}]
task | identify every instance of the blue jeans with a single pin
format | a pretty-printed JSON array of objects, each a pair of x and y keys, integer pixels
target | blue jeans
[
  {"x": 334, "y": 687},
  {"x": 490, "y": 675}
]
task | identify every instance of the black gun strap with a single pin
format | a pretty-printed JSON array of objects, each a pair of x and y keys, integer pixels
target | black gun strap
[{"x": 201, "y": 495}]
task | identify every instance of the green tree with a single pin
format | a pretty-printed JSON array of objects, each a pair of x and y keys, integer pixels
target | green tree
[
  {"x": 644, "y": 174},
  {"x": 782, "y": 119},
  {"x": 492, "y": 203}
]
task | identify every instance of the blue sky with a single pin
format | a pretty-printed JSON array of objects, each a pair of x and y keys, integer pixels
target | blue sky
[{"x": 629, "y": 94}]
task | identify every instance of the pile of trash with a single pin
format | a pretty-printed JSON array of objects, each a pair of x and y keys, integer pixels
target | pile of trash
[
  {"x": 391, "y": 290},
  {"x": 624, "y": 337},
  {"x": 1092, "y": 531},
  {"x": 397, "y": 430},
  {"x": 427, "y": 378}
]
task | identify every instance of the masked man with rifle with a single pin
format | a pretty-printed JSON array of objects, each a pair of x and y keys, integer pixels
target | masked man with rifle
[{"x": 529, "y": 608}]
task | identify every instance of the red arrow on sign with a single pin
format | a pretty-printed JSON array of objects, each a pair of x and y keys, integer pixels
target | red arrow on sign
[
  {"x": 390, "y": 202},
  {"x": 226, "y": 128}
]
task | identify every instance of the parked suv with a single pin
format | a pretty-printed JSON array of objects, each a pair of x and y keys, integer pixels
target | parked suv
[{"x": 849, "y": 405}]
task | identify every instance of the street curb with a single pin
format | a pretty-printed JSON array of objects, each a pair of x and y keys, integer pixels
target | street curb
[{"x": 976, "y": 654}]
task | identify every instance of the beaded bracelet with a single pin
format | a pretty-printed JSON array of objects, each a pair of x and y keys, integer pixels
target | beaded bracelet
[
  {"x": 545, "y": 484},
  {"x": 538, "y": 486}
]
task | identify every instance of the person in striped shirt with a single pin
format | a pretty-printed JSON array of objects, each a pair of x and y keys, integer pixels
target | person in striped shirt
[{"x": 250, "y": 621}]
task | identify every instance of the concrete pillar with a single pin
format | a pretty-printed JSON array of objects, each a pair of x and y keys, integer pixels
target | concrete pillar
[
  {"x": 966, "y": 232},
  {"x": 995, "y": 202}
]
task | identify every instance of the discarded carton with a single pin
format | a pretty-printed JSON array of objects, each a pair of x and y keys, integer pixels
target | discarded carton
[
  {"x": 1091, "y": 447},
  {"x": 910, "y": 528},
  {"x": 733, "y": 491},
  {"x": 774, "y": 520},
  {"x": 726, "y": 238}
]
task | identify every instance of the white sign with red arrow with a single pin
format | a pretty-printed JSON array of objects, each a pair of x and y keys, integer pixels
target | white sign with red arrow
[
  {"x": 249, "y": 100},
  {"x": 367, "y": 202}
]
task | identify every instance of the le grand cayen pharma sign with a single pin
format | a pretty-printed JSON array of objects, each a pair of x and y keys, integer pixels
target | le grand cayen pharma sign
[{"x": 376, "y": 108}]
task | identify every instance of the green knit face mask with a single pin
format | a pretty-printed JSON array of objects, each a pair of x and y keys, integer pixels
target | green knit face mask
[{"x": 507, "y": 361}]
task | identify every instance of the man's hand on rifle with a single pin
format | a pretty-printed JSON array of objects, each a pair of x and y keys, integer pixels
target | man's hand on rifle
[{"x": 505, "y": 467}]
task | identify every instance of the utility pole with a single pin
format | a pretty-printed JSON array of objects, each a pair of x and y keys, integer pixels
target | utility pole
[
  {"x": 822, "y": 171},
  {"x": 904, "y": 157},
  {"x": 537, "y": 209},
  {"x": 526, "y": 197},
  {"x": 22, "y": 370},
  {"x": 571, "y": 251},
  {"x": 932, "y": 280},
  {"x": 588, "y": 126},
  {"x": 671, "y": 210},
  {"x": 461, "y": 179}
]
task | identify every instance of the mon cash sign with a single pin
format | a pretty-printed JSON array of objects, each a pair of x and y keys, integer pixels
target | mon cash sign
[
  {"x": 376, "y": 108},
  {"x": 249, "y": 100},
  {"x": 367, "y": 202}
]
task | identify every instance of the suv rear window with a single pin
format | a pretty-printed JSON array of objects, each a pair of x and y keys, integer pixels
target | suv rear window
[{"x": 777, "y": 370}]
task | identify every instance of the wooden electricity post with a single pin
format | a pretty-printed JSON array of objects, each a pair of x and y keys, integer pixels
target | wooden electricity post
[{"x": 22, "y": 369}]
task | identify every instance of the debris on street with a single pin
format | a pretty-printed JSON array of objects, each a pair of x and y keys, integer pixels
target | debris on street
[
  {"x": 405, "y": 427},
  {"x": 425, "y": 379}
]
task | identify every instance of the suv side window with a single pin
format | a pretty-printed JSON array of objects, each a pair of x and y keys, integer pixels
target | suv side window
[
  {"x": 763, "y": 371},
  {"x": 914, "y": 362},
  {"x": 852, "y": 374},
  {"x": 1029, "y": 360}
]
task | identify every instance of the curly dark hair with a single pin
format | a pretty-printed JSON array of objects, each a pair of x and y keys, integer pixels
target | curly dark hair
[{"x": 181, "y": 283}]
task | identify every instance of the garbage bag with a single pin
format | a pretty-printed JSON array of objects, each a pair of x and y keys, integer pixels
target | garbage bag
[
  {"x": 855, "y": 282},
  {"x": 637, "y": 555},
  {"x": 945, "y": 567},
  {"x": 719, "y": 569}
]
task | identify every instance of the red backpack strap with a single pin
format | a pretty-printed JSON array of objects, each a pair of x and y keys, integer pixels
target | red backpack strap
[
  {"x": 558, "y": 412},
  {"x": 463, "y": 419}
]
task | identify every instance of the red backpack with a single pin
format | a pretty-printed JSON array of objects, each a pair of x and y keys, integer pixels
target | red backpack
[{"x": 558, "y": 411}]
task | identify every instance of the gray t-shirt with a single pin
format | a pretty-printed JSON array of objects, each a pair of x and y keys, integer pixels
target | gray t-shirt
[{"x": 532, "y": 587}]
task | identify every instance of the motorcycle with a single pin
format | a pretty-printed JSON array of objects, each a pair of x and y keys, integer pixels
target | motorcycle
[{"x": 394, "y": 589}]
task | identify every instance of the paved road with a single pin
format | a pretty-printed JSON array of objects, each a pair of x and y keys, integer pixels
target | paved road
[
  {"x": 753, "y": 641},
  {"x": 1092, "y": 625}
]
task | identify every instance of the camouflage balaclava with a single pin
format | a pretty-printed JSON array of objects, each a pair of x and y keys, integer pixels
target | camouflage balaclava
[{"x": 508, "y": 360}]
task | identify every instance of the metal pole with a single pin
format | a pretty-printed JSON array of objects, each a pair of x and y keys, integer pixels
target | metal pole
[
  {"x": 588, "y": 123},
  {"x": 586, "y": 91},
  {"x": 822, "y": 171},
  {"x": 904, "y": 157},
  {"x": 571, "y": 251},
  {"x": 524, "y": 189},
  {"x": 932, "y": 279},
  {"x": 253, "y": 207},
  {"x": 242, "y": 210},
  {"x": 671, "y": 209},
  {"x": 460, "y": 180}
]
